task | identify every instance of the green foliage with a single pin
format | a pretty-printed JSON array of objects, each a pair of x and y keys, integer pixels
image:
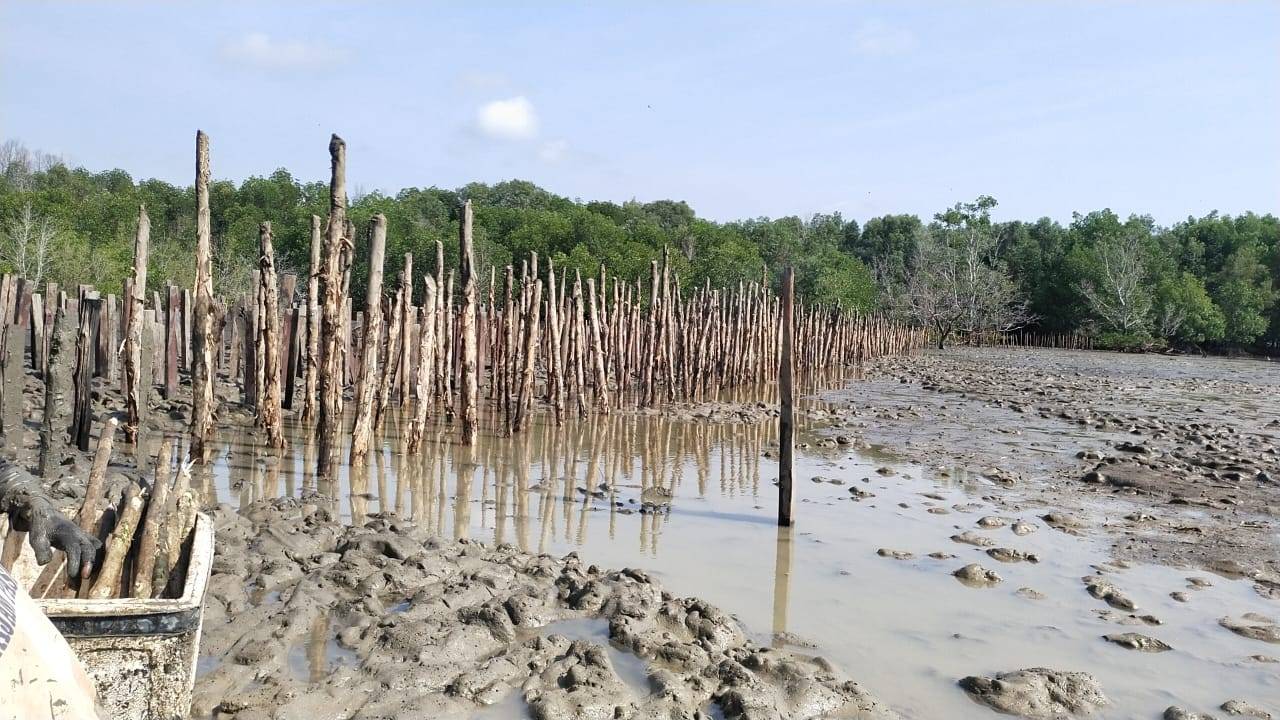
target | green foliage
[
  {"x": 1186, "y": 313},
  {"x": 1209, "y": 280}
]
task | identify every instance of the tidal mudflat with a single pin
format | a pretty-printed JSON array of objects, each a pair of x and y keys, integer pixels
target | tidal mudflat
[{"x": 962, "y": 517}]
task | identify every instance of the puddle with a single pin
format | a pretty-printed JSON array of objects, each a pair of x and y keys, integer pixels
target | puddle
[
  {"x": 630, "y": 668},
  {"x": 319, "y": 654},
  {"x": 905, "y": 629},
  {"x": 511, "y": 707}
]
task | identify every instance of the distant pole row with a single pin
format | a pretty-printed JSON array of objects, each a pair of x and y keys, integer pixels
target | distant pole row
[{"x": 539, "y": 336}]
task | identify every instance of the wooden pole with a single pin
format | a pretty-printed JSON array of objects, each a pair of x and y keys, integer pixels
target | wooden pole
[
  {"x": 157, "y": 516},
  {"x": 466, "y": 273},
  {"x": 203, "y": 341},
  {"x": 786, "y": 430},
  {"x": 426, "y": 364},
  {"x": 136, "y": 388},
  {"x": 269, "y": 409},
  {"x": 309, "y": 400},
  {"x": 367, "y": 382},
  {"x": 330, "y": 377}
]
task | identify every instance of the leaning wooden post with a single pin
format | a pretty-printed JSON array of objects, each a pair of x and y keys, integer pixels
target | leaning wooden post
[
  {"x": 269, "y": 340},
  {"x": 309, "y": 400},
  {"x": 466, "y": 273},
  {"x": 330, "y": 426},
  {"x": 136, "y": 388},
  {"x": 203, "y": 342},
  {"x": 786, "y": 431},
  {"x": 367, "y": 381}
]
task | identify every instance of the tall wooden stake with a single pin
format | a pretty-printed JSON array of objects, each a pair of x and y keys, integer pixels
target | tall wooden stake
[
  {"x": 466, "y": 272},
  {"x": 426, "y": 365},
  {"x": 202, "y": 371},
  {"x": 311, "y": 382},
  {"x": 329, "y": 430},
  {"x": 367, "y": 382},
  {"x": 136, "y": 387},
  {"x": 269, "y": 340},
  {"x": 786, "y": 430}
]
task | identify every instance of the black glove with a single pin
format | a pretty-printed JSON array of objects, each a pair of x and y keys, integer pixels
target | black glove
[{"x": 30, "y": 511}]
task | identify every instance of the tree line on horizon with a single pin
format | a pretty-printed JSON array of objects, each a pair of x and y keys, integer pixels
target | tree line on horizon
[{"x": 1209, "y": 282}]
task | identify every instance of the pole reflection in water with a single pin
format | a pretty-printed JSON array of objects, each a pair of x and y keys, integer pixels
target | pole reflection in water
[
  {"x": 782, "y": 584},
  {"x": 538, "y": 489}
]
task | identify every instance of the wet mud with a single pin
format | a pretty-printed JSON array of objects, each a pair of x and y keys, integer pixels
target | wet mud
[{"x": 1127, "y": 506}]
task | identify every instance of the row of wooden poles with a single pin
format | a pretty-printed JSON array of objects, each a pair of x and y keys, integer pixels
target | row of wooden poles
[
  {"x": 451, "y": 340},
  {"x": 1029, "y": 338}
]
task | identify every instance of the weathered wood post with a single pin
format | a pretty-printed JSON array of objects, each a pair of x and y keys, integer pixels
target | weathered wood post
[
  {"x": 269, "y": 340},
  {"x": 331, "y": 362},
  {"x": 13, "y": 379},
  {"x": 555, "y": 370},
  {"x": 310, "y": 402},
  {"x": 466, "y": 272},
  {"x": 426, "y": 364},
  {"x": 173, "y": 326},
  {"x": 786, "y": 430},
  {"x": 203, "y": 343},
  {"x": 367, "y": 380},
  {"x": 58, "y": 387},
  {"x": 600, "y": 379},
  {"x": 136, "y": 386},
  {"x": 391, "y": 353},
  {"x": 524, "y": 404},
  {"x": 82, "y": 414},
  {"x": 406, "y": 333}
]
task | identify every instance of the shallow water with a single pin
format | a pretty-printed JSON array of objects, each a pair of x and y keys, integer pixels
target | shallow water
[{"x": 905, "y": 629}]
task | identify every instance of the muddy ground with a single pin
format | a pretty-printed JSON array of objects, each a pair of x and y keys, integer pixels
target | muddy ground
[
  {"x": 1188, "y": 448},
  {"x": 1166, "y": 461}
]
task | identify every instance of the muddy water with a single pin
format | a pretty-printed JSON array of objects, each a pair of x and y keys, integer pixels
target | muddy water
[{"x": 906, "y": 629}]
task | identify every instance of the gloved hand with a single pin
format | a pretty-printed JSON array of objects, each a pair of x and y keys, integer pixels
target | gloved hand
[{"x": 29, "y": 510}]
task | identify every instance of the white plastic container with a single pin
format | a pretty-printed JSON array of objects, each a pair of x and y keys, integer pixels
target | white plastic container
[{"x": 140, "y": 654}]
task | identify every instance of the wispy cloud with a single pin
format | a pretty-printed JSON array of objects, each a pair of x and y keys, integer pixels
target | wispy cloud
[
  {"x": 260, "y": 50},
  {"x": 876, "y": 37},
  {"x": 553, "y": 151},
  {"x": 511, "y": 119}
]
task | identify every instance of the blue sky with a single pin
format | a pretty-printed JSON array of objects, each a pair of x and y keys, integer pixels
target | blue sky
[{"x": 742, "y": 109}]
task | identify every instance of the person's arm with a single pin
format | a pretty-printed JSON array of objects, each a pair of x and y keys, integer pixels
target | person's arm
[{"x": 30, "y": 510}]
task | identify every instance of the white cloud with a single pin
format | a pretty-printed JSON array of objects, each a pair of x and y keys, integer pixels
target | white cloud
[
  {"x": 553, "y": 151},
  {"x": 261, "y": 50},
  {"x": 512, "y": 119},
  {"x": 876, "y": 37}
]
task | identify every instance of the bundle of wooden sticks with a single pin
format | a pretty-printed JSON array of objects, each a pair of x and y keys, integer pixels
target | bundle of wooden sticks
[{"x": 145, "y": 532}]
